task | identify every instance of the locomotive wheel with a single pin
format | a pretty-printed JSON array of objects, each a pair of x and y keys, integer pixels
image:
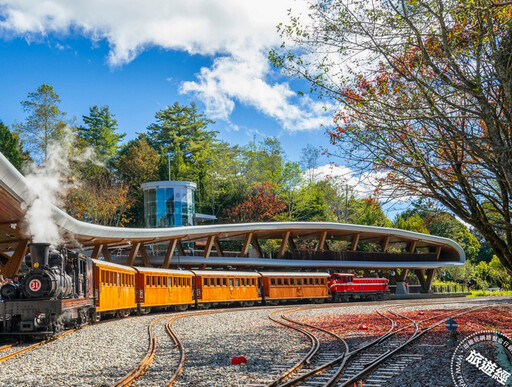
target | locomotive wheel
[{"x": 96, "y": 317}]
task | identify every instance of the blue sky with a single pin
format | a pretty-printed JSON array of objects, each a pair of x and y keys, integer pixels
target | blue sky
[{"x": 139, "y": 58}]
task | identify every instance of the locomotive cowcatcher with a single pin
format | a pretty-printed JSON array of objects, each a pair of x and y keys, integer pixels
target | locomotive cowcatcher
[{"x": 55, "y": 294}]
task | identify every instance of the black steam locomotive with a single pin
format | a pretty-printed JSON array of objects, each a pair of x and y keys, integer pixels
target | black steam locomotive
[{"x": 55, "y": 294}]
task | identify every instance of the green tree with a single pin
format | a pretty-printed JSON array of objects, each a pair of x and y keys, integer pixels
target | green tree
[
  {"x": 446, "y": 225},
  {"x": 100, "y": 132},
  {"x": 412, "y": 223},
  {"x": 312, "y": 204},
  {"x": 430, "y": 104},
  {"x": 183, "y": 128},
  {"x": 10, "y": 146},
  {"x": 137, "y": 164},
  {"x": 309, "y": 160},
  {"x": 369, "y": 212},
  {"x": 45, "y": 122}
]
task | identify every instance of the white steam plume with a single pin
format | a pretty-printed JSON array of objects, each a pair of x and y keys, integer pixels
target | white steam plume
[{"x": 48, "y": 182}]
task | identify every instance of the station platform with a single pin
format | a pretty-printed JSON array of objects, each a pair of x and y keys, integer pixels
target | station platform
[{"x": 421, "y": 296}]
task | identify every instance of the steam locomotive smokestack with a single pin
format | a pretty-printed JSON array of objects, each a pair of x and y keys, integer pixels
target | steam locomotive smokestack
[{"x": 39, "y": 254}]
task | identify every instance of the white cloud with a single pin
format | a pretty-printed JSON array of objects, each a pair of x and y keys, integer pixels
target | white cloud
[
  {"x": 361, "y": 185},
  {"x": 238, "y": 34}
]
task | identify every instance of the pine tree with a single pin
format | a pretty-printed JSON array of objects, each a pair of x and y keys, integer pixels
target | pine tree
[
  {"x": 10, "y": 146},
  {"x": 100, "y": 132},
  {"x": 44, "y": 123}
]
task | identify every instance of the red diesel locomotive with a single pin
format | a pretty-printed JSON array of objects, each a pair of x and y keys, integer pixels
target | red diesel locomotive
[{"x": 345, "y": 287}]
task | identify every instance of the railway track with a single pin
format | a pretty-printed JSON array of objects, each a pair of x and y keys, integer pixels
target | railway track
[
  {"x": 384, "y": 359},
  {"x": 30, "y": 347},
  {"x": 375, "y": 363},
  {"x": 326, "y": 347}
]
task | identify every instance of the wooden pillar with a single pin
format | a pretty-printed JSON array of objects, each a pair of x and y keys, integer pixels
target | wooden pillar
[
  {"x": 385, "y": 243},
  {"x": 12, "y": 267},
  {"x": 292, "y": 244},
  {"x": 133, "y": 253},
  {"x": 96, "y": 251},
  {"x": 438, "y": 252},
  {"x": 321, "y": 241},
  {"x": 216, "y": 243},
  {"x": 106, "y": 254},
  {"x": 421, "y": 276},
  {"x": 256, "y": 244},
  {"x": 402, "y": 275},
  {"x": 209, "y": 245},
  {"x": 355, "y": 242},
  {"x": 425, "y": 283},
  {"x": 179, "y": 246},
  {"x": 169, "y": 253},
  {"x": 247, "y": 242},
  {"x": 145, "y": 256},
  {"x": 412, "y": 246},
  {"x": 284, "y": 243}
]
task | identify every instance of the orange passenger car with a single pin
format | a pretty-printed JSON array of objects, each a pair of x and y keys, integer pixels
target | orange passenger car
[
  {"x": 114, "y": 288},
  {"x": 290, "y": 286},
  {"x": 214, "y": 287},
  {"x": 162, "y": 287}
]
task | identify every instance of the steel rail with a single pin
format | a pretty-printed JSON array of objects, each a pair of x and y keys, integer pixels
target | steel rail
[
  {"x": 315, "y": 346},
  {"x": 146, "y": 361},
  {"x": 321, "y": 368},
  {"x": 33, "y": 346},
  {"x": 381, "y": 359}
]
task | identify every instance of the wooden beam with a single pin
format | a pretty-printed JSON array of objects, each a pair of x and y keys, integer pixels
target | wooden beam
[
  {"x": 385, "y": 243},
  {"x": 218, "y": 249},
  {"x": 247, "y": 242},
  {"x": 256, "y": 244},
  {"x": 145, "y": 256},
  {"x": 355, "y": 242},
  {"x": 106, "y": 254},
  {"x": 321, "y": 241},
  {"x": 284, "y": 243},
  {"x": 12, "y": 267},
  {"x": 133, "y": 253},
  {"x": 179, "y": 246},
  {"x": 96, "y": 251},
  {"x": 438, "y": 252},
  {"x": 169, "y": 253},
  {"x": 209, "y": 246},
  {"x": 412, "y": 246}
]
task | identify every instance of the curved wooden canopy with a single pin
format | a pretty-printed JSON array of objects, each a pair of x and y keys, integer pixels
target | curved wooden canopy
[{"x": 398, "y": 248}]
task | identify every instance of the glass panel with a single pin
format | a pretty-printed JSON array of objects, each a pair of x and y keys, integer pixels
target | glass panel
[
  {"x": 292, "y": 281},
  {"x": 273, "y": 281},
  {"x": 299, "y": 281},
  {"x": 224, "y": 282},
  {"x": 237, "y": 282},
  {"x": 279, "y": 281},
  {"x": 231, "y": 282},
  {"x": 205, "y": 282}
]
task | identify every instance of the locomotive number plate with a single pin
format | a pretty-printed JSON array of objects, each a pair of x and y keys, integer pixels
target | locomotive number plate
[{"x": 35, "y": 285}]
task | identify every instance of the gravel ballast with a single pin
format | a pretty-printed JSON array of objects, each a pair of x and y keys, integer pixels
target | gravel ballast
[{"x": 102, "y": 354}]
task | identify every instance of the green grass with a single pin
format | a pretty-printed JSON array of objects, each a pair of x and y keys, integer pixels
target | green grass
[{"x": 480, "y": 293}]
